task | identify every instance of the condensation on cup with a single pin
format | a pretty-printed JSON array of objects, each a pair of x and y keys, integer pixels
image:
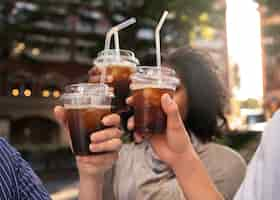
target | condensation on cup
[
  {"x": 148, "y": 86},
  {"x": 119, "y": 65},
  {"x": 86, "y": 104}
]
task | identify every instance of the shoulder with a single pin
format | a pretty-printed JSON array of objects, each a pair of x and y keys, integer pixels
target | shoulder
[
  {"x": 7, "y": 169},
  {"x": 225, "y": 154},
  {"x": 7, "y": 152},
  {"x": 226, "y": 167},
  {"x": 4, "y": 145},
  {"x": 225, "y": 159}
]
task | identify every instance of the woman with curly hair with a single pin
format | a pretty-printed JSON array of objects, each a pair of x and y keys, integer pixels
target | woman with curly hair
[{"x": 168, "y": 166}]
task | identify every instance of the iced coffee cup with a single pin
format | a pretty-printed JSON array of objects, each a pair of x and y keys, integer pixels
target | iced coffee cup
[
  {"x": 86, "y": 105},
  {"x": 148, "y": 85},
  {"x": 119, "y": 65}
]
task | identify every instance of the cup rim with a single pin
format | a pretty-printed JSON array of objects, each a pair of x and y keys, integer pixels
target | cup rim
[
  {"x": 95, "y": 90},
  {"x": 162, "y": 68},
  {"x": 168, "y": 76},
  {"x": 130, "y": 57},
  {"x": 131, "y": 53}
]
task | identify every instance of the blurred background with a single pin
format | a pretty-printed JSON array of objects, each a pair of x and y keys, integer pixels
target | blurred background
[{"x": 46, "y": 44}]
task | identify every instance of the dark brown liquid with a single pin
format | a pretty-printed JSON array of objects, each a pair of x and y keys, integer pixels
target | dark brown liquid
[
  {"x": 149, "y": 116},
  {"x": 82, "y": 123},
  {"x": 121, "y": 81}
]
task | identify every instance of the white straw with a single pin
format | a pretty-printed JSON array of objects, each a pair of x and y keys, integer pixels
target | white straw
[
  {"x": 157, "y": 37},
  {"x": 117, "y": 44},
  {"x": 114, "y": 31},
  {"x": 117, "y": 28}
]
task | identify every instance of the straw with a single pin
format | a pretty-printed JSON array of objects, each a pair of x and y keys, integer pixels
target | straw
[
  {"x": 117, "y": 28},
  {"x": 117, "y": 44},
  {"x": 157, "y": 37},
  {"x": 114, "y": 31}
]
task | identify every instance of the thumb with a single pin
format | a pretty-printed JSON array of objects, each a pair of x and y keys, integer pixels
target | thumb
[
  {"x": 177, "y": 136},
  {"x": 174, "y": 120}
]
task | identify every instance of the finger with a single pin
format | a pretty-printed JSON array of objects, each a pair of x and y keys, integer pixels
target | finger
[
  {"x": 130, "y": 123},
  {"x": 174, "y": 120},
  {"x": 111, "y": 145},
  {"x": 112, "y": 120},
  {"x": 105, "y": 135},
  {"x": 129, "y": 100},
  {"x": 60, "y": 114}
]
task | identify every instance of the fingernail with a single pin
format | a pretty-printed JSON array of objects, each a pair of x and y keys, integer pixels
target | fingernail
[
  {"x": 167, "y": 99},
  {"x": 104, "y": 120},
  {"x": 92, "y": 139},
  {"x": 93, "y": 148}
]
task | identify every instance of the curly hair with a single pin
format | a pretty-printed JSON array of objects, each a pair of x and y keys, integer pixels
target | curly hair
[{"x": 205, "y": 116}]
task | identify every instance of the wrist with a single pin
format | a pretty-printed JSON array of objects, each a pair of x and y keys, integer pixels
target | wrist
[
  {"x": 193, "y": 178},
  {"x": 186, "y": 161},
  {"x": 91, "y": 187},
  {"x": 92, "y": 179}
]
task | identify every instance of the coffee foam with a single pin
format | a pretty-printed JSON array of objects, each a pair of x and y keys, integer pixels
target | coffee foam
[
  {"x": 90, "y": 106},
  {"x": 155, "y": 86}
]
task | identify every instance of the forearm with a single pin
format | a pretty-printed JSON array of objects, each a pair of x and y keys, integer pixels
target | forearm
[
  {"x": 194, "y": 179},
  {"x": 91, "y": 188}
]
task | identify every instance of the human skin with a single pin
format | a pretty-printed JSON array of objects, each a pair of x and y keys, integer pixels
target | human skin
[
  {"x": 176, "y": 145},
  {"x": 92, "y": 168}
]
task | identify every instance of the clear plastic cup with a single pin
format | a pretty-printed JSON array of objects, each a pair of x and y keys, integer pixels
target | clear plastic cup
[
  {"x": 119, "y": 65},
  {"x": 148, "y": 85},
  {"x": 86, "y": 105}
]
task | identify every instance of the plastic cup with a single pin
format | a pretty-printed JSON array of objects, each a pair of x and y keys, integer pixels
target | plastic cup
[
  {"x": 148, "y": 86},
  {"x": 86, "y": 105},
  {"x": 119, "y": 65}
]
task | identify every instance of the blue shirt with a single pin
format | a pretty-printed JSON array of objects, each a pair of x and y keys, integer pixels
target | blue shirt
[{"x": 17, "y": 180}]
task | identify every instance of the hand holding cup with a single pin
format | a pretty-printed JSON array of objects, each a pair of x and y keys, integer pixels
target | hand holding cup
[
  {"x": 106, "y": 143},
  {"x": 175, "y": 143}
]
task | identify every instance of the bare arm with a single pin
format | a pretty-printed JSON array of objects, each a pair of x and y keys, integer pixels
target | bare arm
[
  {"x": 91, "y": 188},
  {"x": 194, "y": 180},
  {"x": 177, "y": 151},
  {"x": 92, "y": 168}
]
